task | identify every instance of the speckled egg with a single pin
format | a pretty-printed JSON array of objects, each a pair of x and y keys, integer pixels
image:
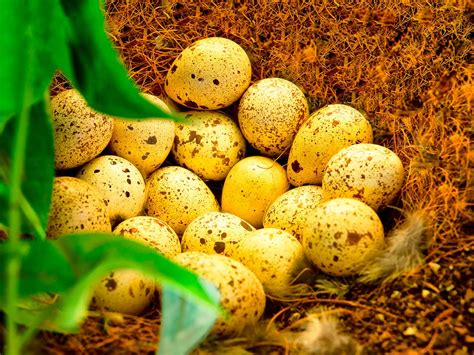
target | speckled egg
[
  {"x": 327, "y": 131},
  {"x": 289, "y": 211},
  {"x": 242, "y": 294},
  {"x": 177, "y": 196},
  {"x": 80, "y": 134},
  {"x": 270, "y": 113},
  {"x": 76, "y": 206},
  {"x": 275, "y": 256},
  {"x": 369, "y": 172},
  {"x": 144, "y": 143},
  {"x": 120, "y": 183},
  {"x": 342, "y": 235},
  {"x": 152, "y": 232},
  {"x": 124, "y": 291},
  {"x": 209, "y": 143},
  {"x": 210, "y": 74},
  {"x": 251, "y": 186},
  {"x": 215, "y": 233}
]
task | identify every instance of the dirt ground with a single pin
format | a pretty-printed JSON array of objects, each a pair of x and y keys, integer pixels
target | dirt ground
[{"x": 408, "y": 65}]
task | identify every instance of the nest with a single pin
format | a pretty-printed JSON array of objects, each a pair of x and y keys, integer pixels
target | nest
[{"x": 408, "y": 65}]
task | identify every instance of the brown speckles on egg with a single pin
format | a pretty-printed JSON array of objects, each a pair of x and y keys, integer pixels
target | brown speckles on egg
[
  {"x": 219, "y": 247},
  {"x": 151, "y": 140},
  {"x": 327, "y": 131},
  {"x": 369, "y": 172},
  {"x": 241, "y": 292},
  {"x": 145, "y": 143},
  {"x": 296, "y": 167},
  {"x": 76, "y": 207},
  {"x": 152, "y": 232},
  {"x": 343, "y": 241},
  {"x": 221, "y": 230},
  {"x": 270, "y": 113},
  {"x": 211, "y": 73},
  {"x": 183, "y": 188},
  {"x": 275, "y": 256},
  {"x": 80, "y": 133},
  {"x": 124, "y": 291},
  {"x": 110, "y": 284},
  {"x": 209, "y": 144},
  {"x": 290, "y": 211},
  {"x": 116, "y": 182}
]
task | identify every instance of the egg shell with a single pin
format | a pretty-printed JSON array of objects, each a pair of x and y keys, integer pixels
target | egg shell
[
  {"x": 177, "y": 196},
  {"x": 275, "y": 256},
  {"x": 144, "y": 143},
  {"x": 119, "y": 182},
  {"x": 208, "y": 143},
  {"x": 327, "y": 131},
  {"x": 80, "y": 134},
  {"x": 76, "y": 206},
  {"x": 251, "y": 186},
  {"x": 124, "y": 291},
  {"x": 369, "y": 172},
  {"x": 290, "y": 210},
  {"x": 241, "y": 293},
  {"x": 270, "y": 113},
  {"x": 151, "y": 232},
  {"x": 215, "y": 233},
  {"x": 342, "y": 235},
  {"x": 210, "y": 74}
]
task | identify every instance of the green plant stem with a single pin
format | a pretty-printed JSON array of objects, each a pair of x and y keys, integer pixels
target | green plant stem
[
  {"x": 14, "y": 219},
  {"x": 13, "y": 340}
]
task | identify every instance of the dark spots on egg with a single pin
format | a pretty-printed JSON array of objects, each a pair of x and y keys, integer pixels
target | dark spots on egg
[
  {"x": 173, "y": 69},
  {"x": 151, "y": 140},
  {"x": 219, "y": 247},
  {"x": 215, "y": 82},
  {"x": 353, "y": 238},
  {"x": 111, "y": 284},
  {"x": 127, "y": 194},
  {"x": 193, "y": 136},
  {"x": 191, "y": 103},
  {"x": 296, "y": 167}
]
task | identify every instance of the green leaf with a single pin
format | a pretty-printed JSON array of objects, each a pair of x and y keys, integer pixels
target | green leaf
[
  {"x": 186, "y": 323},
  {"x": 3, "y": 190},
  {"x": 38, "y": 174},
  {"x": 33, "y": 38},
  {"x": 41, "y": 36},
  {"x": 44, "y": 268},
  {"x": 94, "y": 255},
  {"x": 74, "y": 264},
  {"x": 96, "y": 70}
]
